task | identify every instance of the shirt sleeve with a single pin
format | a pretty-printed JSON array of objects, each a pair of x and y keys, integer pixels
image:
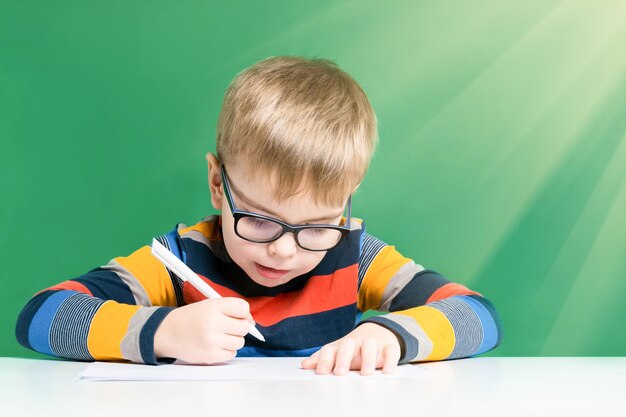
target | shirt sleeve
[
  {"x": 111, "y": 313},
  {"x": 433, "y": 318}
]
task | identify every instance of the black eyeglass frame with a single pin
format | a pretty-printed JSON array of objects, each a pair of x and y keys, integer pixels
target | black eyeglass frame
[{"x": 287, "y": 227}]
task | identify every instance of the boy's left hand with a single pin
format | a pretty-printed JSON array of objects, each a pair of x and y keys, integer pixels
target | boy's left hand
[{"x": 366, "y": 348}]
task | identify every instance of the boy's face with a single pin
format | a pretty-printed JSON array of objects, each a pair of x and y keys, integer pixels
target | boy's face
[{"x": 274, "y": 263}]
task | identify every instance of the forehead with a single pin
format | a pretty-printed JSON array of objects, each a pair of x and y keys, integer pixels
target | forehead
[{"x": 257, "y": 193}]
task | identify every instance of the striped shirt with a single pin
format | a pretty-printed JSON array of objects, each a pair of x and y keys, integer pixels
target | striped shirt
[{"x": 112, "y": 312}]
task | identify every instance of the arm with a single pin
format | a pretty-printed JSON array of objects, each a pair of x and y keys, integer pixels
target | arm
[
  {"x": 433, "y": 318},
  {"x": 110, "y": 313},
  {"x": 428, "y": 317}
]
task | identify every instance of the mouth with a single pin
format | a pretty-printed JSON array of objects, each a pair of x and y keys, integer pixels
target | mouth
[{"x": 270, "y": 273}]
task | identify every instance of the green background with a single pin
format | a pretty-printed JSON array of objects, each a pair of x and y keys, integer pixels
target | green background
[{"x": 502, "y": 159}]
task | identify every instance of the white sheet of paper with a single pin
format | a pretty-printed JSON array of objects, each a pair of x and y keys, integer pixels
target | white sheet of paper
[{"x": 239, "y": 369}]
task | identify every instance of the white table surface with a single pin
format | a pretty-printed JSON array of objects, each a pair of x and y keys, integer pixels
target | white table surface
[{"x": 493, "y": 386}]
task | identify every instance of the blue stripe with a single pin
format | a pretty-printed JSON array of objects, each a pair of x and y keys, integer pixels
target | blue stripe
[
  {"x": 248, "y": 351},
  {"x": 146, "y": 337},
  {"x": 175, "y": 244},
  {"x": 39, "y": 331},
  {"x": 361, "y": 237},
  {"x": 305, "y": 332},
  {"x": 359, "y": 316},
  {"x": 490, "y": 332},
  {"x": 25, "y": 318},
  {"x": 370, "y": 247},
  {"x": 494, "y": 315}
]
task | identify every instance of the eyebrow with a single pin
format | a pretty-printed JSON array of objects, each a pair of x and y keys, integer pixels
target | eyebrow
[{"x": 249, "y": 202}]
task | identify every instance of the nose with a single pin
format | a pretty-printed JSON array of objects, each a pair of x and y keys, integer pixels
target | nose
[{"x": 284, "y": 247}]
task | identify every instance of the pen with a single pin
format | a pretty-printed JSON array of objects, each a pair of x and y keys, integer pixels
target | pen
[{"x": 186, "y": 274}]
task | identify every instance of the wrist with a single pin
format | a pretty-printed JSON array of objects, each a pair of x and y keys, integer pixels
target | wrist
[
  {"x": 383, "y": 333},
  {"x": 392, "y": 329},
  {"x": 163, "y": 336}
]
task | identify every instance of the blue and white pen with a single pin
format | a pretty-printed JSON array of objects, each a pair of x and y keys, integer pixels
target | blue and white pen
[{"x": 185, "y": 273}]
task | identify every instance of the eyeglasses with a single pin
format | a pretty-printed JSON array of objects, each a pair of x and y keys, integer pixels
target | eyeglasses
[{"x": 258, "y": 228}]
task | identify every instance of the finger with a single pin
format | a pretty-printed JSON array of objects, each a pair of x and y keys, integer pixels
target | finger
[
  {"x": 343, "y": 358},
  {"x": 234, "y": 307},
  {"x": 369, "y": 351},
  {"x": 311, "y": 361},
  {"x": 211, "y": 356},
  {"x": 232, "y": 342},
  {"x": 326, "y": 359},
  {"x": 224, "y": 355},
  {"x": 236, "y": 327},
  {"x": 391, "y": 357}
]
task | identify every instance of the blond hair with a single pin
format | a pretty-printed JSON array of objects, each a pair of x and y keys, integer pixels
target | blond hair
[{"x": 304, "y": 123}]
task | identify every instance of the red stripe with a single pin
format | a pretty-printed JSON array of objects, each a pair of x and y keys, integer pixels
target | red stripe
[
  {"x": 70, "y": 285},
  {"x": 321, "y": 293},
  {"x": 450, "y": 290}
]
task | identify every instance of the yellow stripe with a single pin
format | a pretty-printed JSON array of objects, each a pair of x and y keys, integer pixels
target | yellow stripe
[
  {"x": 437, "y": 327},
  {"x": 204, "y": 227},
  {"x": 353, "y": 220},
  {"x": 152, "y": 276},
  {"x": 382, "y": 269},
  {"x": 108, "y": 328}
]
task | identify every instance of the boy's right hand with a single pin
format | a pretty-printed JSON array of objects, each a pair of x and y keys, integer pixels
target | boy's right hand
[{"x": 205, "y": 332}]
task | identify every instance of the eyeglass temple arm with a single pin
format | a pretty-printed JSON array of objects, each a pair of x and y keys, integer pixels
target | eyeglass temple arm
[
  {"x": 349, "y": 210},
  {"x": 226, "y": 188}
]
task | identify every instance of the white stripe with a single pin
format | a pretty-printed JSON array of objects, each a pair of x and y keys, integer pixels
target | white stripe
[
  {"x": 425, "y": 347},
  {"x": 70, "y": 326},
  {"x": 139, "y": 292}
]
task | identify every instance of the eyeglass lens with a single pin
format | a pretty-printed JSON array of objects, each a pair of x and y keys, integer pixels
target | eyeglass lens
[{"x": 262, "y": 230}]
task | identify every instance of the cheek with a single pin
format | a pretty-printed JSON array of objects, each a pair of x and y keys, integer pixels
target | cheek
[
  {"x": 231, "y": 240},
  {"x": 237, "y": 248},
  {"x": 240, "y": 251},
  {"x": 309, "y": 260}
]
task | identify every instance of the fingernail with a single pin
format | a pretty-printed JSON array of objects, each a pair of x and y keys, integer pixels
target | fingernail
[{"x": 367, "y": 371}]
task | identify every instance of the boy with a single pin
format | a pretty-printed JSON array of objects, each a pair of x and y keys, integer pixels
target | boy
[{"x": 294, "y": 139}]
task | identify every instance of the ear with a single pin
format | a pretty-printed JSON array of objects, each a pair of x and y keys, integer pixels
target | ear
[{"x": 215, "y": 181}]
